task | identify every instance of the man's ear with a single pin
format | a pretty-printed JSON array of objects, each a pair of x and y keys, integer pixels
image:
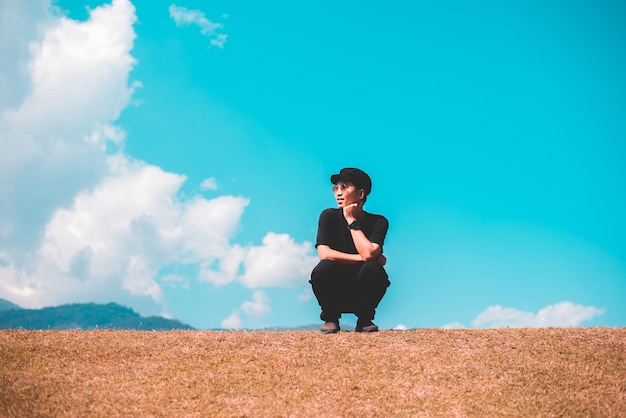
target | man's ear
[{"x": 362, "y": 195}]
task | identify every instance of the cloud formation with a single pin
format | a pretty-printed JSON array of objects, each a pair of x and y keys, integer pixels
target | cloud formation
[
  {"x": 81, "y": 220},
  {"x": 278, "y": 262},
  {"x": 187, "y": 17},
  {"x": 563, "y": 314},
  {"x": 54, "y": 138},
  {"x": 254, "y": 310},
  {"x": 209, "y": 184},
  {"x": 20, "y": 22}
]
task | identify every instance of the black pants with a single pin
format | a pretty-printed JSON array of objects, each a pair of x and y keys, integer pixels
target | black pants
[{"x": 357, "y": 288}]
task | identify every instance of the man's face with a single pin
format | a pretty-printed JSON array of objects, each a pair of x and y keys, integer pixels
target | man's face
[{"x": 346, "y": 193}]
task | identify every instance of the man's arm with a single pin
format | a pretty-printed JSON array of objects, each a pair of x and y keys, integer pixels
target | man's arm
[
  {"x": 326, "y": 253},
  {"x": 366, "y": 249}
]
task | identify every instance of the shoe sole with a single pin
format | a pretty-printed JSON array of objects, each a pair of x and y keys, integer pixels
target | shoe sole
[{"x": 363, "y": 330}]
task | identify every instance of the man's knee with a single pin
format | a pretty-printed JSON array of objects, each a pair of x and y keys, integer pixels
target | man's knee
[
  {"x": 325, "y": 269},
  {"x": 373, "y": 271}
]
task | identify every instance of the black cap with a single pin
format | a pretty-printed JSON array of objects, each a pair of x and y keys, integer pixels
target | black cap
[{"x": 355, "y": 176}]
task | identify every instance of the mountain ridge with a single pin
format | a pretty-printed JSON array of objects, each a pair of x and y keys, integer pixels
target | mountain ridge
[
  {"x": 91, "y": 316},
  {"x": 83, "y": 316}
]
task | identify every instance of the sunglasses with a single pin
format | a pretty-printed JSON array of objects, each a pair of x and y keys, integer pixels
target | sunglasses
[{"x": 342, "y": 186}]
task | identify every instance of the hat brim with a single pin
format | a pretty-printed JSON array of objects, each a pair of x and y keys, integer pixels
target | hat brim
[{"x": 336, "y": 177}]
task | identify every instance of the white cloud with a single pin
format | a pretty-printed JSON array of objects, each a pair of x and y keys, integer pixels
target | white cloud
[
  {"x": 54, "y": 136},
  {"x": 20, "y": 23},
  {"x": 259, "y": 306},
  {"x": 219, "y": 40},
  {"x": 117, "y": 237},
  {"x": 400, "y": 327},
  {"x": 79, "y": 219},
  {"x": 563, "y": 314},
  {"x": 224, "y": 270},
  {"x": 187, "y": 17},
  {"x": 175, "y": 281},
  {"x": 209, "y": 184},
  {"x": 255, "y": 312},
  {"x": 278, "y": 262},
  {"x": 233, "y": 321},
  {"x": 79, "y": 74}
]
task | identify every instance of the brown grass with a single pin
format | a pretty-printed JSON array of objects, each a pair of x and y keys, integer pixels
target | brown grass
[{"x": 475, "y": 373}]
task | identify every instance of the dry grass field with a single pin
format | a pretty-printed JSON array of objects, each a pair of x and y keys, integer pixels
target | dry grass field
[{"x": 571, "y": 372}]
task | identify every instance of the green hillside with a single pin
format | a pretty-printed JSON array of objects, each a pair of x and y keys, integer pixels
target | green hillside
[
  {"x": 5, "y": 305},
  {"x": 86, "y": 316}
]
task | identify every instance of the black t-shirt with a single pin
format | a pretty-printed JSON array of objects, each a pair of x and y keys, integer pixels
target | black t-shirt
[{"x": 333, "y": 230}]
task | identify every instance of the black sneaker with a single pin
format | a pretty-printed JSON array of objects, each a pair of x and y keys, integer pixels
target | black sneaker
[
  {"x": 365, "y": 326},
  {"x": 330, "y": 327}
]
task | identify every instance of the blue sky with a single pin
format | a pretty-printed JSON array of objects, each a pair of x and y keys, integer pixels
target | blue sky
[{"x": 174, "y": 156}]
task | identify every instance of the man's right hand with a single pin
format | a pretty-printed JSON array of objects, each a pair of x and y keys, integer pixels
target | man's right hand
[{"x": 352, "y": 212}]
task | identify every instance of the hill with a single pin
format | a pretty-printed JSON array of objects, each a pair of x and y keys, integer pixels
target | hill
[
  {"x": 5, "y": 305},
  {"x": 87, "y": 316},
  {"x": 568, "y": 372}
]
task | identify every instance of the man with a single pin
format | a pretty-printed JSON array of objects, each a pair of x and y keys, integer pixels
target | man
[{"x": 350, "y": 276}]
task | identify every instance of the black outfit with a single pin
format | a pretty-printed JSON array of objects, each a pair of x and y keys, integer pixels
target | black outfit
[{"x": 353, "y": 287}]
